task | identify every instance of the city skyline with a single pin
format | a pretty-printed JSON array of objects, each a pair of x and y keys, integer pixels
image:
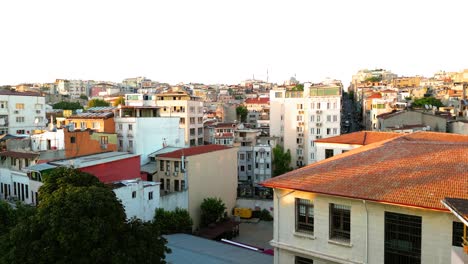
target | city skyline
[{"x": 213, "y": 42}]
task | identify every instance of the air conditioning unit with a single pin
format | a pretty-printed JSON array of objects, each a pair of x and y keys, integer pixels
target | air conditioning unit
[
  {"x": 103, "y": 146},
  {"x": 38, "y": 111},
  {"x": 318, "y": 111},
  {"x": 300, "y": 135},
  {"x": 16, "y": 112},
  {"x": 318, "y": 124},
  {"x": 175, "y": 173},
  {"x": 168, "y": 173}
]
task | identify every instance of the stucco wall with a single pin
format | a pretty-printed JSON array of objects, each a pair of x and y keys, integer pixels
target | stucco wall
[
  {"x": 436, "y": 231},
  {"x": 436, "y": 123},
  {"x": 212, "y": 174},
  {"x": 140, "y": 206},
  {"x": 173, "y": 200},
  {"x": 337, "y": 149}
]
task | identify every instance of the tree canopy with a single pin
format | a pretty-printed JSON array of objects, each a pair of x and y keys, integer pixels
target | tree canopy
[
  {"x": 420, "y": 102},
  {"x": 242, "y": 112},
  {"x": 171, "y": 222},
  {"x": 67, "y": 105},
  {"x": 298, "y": 87},
  {"x": 281, "y": 160},
  {"x": 212, "y": 210},
  {"x": 119, "y": 101},
  {"x": 97, "y": 102},
  {"x": 374, "y": 79},
  {"x": 80, "y": 220}
]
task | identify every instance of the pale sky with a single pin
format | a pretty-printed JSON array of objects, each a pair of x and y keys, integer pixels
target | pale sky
[{"x": 227, "y": 41}]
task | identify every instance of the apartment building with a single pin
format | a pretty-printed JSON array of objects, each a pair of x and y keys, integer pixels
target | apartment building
[
  {"x": 300, "y": 117},
  {"x": 21, "y": 112},
  {"x": 142, "y": 130},
  {"x": 379, "y": 203},
  {"x": 189, "y": 175},
  {"x": 96, "y": 121},
  {"x": 179, "y": 104}
]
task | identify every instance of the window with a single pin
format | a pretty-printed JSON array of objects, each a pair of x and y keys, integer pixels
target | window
[
  {"x": 3, "y": 104},
  {"x": 182, "y": 121},
  {"x": 96, "y": 125},
  {"x": 168, "y": 184},
  {"x": 161, "y": 165},
  {"x": 200, "y": 120},
  {"x": 301, "y": 260},
  {"x": 133, "y": 194},
  {"x": 150, "y": 196},
  {"x": 182, "y": 185},
  {"x": 328, "y": 105},
  {"x": 242, "y": 168},
  {"x": 176, "y": 166},
  {"x": 176, "y": 185},
  {"x": 72, "y": 140},
  {"x": 328, "y": 131},
  {"x": 402, "y": 238},
  {"x": 318, "y": 105},
  {"x": 299, "y": 140},
  {"x": 192, "y": 109},
  {"x": 162, "y": 184},
  {"x": 200, "y": 131},
  {"x": 328, "y": 153},
  {"x": 299, "y": 129},
  {"x": 19, "y": 106},
  {"x": 130, "y": 143},
  {"x": 130, "y": 127},
  {"x": 312, "y": 118},
  {"x": 312, "y": 105},
  {"x": 304, "y": 216},
  {"x": 329, "y": 118},
  {"x": 278, "y": 94},
  {"x": 104, "y": 140},
  {"x": 192, "y": 131},
  {"x": 249, "y": 167},
  {"x": 312, "y": 130},
  {"x": 335, "y": 118},
  {"x": 318, "y": 131},
  {"x": 83, "y": 124},
  {"x": 457, "y": 234},
  {"x": 192, "y": 142},
  {"x": 299, "y": 106},
  {"x": 192, "y": 120},
  {"x": 340, "y": 222},
  {"x": 242, "y": 156},
  {"x": 334, "y": 105},
  {"x": 120, "y": 126},
  {"x": 200, "y": 141},
  {"x": 168, "y": 165},
  {"x": 318, "y": 118},
  {"x": 20, "y": 119},
  {"x": 335, "y": 131}
]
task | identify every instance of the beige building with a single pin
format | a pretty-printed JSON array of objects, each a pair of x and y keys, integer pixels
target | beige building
[
  {"x": 416, "y": 120},
  {"x": 189, "y": 175},
  {"x": 380, "y": 203}
]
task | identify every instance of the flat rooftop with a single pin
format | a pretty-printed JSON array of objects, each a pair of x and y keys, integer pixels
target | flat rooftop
[
  {"x": 196, "y": 250},
  {"x": 95, "y": 159}
]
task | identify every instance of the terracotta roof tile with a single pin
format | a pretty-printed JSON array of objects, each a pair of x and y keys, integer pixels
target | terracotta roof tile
[
  {"x": 193, "y": 151},
  {"x": 418, "y": 169},
  {"x": 359, "y": 138},
  {"x": 257, "y": 101},
  {"x": 374, "y": 96},
  {"x": 19, "y": 155},
  {"x": 8, "y": 92}
]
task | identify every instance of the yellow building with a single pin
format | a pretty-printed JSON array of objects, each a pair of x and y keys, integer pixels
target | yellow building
[{"x": 406, "y": 82}]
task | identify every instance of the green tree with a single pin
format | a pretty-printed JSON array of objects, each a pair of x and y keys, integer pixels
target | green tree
[
  {"x": 172, "y": 222},
  {"x": 281, "y": 160},
  {"x": 298, "y": 87},
  {"x": 119, "y": 101},
  {"x": 80, "y": 220},
  {"x": 242, "y": 112},
  {"x": 67, "y": 105},
  {"x": 97, "y": 102},
  {"x": 83, "y": 96},
  {"x": 374, "y": 79},
  {"x": 420, "y": 102},
  {"x": 212, "y": 211}
]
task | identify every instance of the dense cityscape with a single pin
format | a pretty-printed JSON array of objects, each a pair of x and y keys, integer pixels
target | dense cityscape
[{"x": 371, "y": 171}]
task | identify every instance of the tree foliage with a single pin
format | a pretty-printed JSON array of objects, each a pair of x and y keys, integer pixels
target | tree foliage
[
  {"x": 67, "y": 105},
  {"x": 242, "y": 112},
  {"x": 420, "y": 102},
  {"x": 172, "y": 222},
  {"x": 374, "y": 79},
  {"x": 97, "y": 102},
  {"x": 281, "y": 160},
  {"x": 212, "y": 210},
  {"x": 83, "y": 96},
  {"x": 119, "y": 101},
  {"x": 80, "y": 220},
  {"x": 298, "y": 87}
]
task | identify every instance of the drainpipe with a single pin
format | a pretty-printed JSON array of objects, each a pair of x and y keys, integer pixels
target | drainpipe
[{"x": 366, "y": 254}]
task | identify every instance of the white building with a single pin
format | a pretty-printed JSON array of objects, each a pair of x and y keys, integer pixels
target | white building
[
  {"x": 21, "y": 112},
  {"x": 380, "y": 203},
  {"x": 300, "y": 117},
  {"x": 139, "y": 198},
  {"x": 141, "y": 130},
  {"x": 176, "y": 104}
]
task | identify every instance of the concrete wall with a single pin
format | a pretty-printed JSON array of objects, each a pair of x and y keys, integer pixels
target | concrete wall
[
  {"x": 458, "y": 127},
  {"x": 87, "y": 142},
  {"x": 212, "y": 174},
  {"x": 39, "y": 142},
  {"x": 140, "y": 206},
  {"x": 436, "y": 231},
  {"x": 10, "y": 177},
  {"x": 337, "y": 149},
  {"x": 255, "y": 203},
  {"x": 173, "y": 200},
  {"x": 436, "y": 123}
]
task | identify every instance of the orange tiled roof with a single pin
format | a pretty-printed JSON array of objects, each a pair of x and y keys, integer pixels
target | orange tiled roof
[
  {"x": 375, "y": 96},
  {"x": 192, "y": 151},
  {"x": 359, "y": 138},
  {"x": 257, "y": 101},
  {"x": 418, "y": 169}
]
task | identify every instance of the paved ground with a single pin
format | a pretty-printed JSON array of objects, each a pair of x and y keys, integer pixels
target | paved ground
[{"x": 256, "y": 234}]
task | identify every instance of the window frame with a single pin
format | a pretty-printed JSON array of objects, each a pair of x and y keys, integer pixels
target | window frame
[
  {"x": 307, "y": 224},
  {"x": 340, "y": 230}
]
